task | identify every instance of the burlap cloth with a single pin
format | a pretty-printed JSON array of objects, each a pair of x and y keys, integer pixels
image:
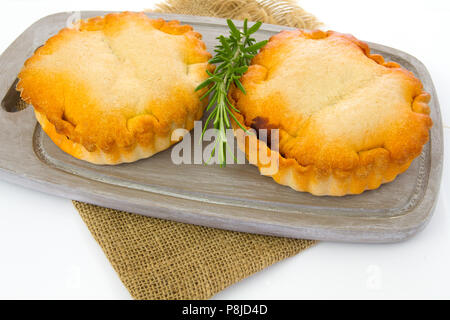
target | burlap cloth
[{"x": 159, "y": 259}]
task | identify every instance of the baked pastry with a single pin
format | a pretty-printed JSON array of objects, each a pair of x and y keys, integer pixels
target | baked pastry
[
  {"x": 114, "y": 88},
  {"x": 348, "y": 121}
]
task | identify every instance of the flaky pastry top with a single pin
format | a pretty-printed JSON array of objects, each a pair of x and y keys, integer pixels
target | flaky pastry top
[
  {"x": 111, "y": 82},
  {"x": 337, "y": 105}
]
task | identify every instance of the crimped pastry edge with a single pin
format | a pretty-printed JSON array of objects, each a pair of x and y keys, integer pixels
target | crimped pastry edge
[
  {"x": 334, "y": 181},
  {"x": 139, "y": 151},
  {"x": 309, "y": 178}
]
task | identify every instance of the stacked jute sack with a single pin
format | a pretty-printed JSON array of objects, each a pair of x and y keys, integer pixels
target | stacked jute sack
[{"x": 159, "y": 259}]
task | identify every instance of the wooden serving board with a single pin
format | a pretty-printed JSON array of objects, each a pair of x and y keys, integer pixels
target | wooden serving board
[{"x": 236, "y": 197}]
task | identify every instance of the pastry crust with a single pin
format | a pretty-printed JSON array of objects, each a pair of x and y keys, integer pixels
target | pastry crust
[
  {"x": 348, "y": 120},
  {"x": 114, "y": 88}
]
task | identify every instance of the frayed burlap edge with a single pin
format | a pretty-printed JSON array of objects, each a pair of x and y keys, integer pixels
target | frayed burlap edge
[{"x": 286, "y": 13}]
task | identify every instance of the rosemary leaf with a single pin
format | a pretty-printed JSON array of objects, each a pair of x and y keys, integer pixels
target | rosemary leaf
[{"x": 233, "y": 56}]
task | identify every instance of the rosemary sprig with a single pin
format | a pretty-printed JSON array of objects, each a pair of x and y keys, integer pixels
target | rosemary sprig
[{"x": 233, "y": 56}]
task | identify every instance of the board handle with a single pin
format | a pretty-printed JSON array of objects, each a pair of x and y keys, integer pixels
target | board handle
[{"x": 12, "y": 102}]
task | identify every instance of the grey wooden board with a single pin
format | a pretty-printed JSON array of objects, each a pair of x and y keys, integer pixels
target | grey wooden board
[{"x": 236, "y": 197}]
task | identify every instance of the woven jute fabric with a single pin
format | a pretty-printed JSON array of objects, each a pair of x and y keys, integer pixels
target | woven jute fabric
[
  {"x": 160, "y": 259},
  {"x": 287, "y": 12}
]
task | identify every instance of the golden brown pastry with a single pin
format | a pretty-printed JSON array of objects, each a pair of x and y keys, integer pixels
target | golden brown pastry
[
  {"x": 348, "y": 121},
  {"x": 114, "y": 89}
]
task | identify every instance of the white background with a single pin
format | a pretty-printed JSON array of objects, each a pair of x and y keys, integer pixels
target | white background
[{"x": 47, "y": 252}]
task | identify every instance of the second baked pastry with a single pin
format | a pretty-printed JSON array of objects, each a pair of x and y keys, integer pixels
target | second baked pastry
[{"x": 348, "y": 121}]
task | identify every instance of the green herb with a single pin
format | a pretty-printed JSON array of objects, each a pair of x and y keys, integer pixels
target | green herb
[{"x": 233, "y": 56}]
